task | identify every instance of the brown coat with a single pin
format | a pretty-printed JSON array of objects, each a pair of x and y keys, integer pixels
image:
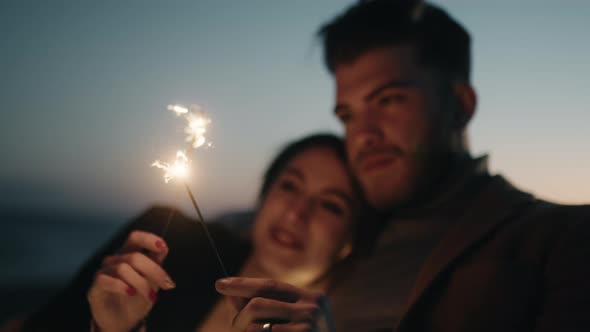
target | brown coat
[{"x": 510, "y": 263}]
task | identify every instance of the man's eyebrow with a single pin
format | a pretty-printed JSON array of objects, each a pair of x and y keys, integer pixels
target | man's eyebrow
[{"x": 396, "y": 83}]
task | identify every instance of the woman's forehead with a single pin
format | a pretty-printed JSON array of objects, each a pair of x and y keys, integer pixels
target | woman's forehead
[{"x": 320, "y": 167}]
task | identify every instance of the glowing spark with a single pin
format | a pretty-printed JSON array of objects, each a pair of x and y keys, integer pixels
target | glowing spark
[
  {"x": 196, "y": 129},
  {"x": 178, "y": 109},
  {"x": 177, "y": 169}
]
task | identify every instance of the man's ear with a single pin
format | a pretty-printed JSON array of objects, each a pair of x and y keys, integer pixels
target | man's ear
[{"x": 467, "y": 102}]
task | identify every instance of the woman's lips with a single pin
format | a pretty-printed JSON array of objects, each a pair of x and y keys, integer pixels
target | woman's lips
[{"x": 285, "y": 238}]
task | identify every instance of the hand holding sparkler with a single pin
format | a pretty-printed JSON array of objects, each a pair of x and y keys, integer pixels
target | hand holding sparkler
[{"x": 124, "y": 289}]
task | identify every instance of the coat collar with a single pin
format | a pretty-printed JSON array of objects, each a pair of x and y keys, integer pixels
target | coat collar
[
  {"x": 488, "y": 210},
  {"x": 446, "y": 195}
]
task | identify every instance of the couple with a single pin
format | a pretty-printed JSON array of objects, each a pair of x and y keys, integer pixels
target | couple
[{"x": 459, "y": 249}]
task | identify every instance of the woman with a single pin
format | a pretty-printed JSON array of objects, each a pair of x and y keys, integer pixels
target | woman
[{"x": 304, "y": 227}]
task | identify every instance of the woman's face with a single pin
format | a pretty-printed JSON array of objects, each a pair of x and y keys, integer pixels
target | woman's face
[{"x": 304, "y": 224}]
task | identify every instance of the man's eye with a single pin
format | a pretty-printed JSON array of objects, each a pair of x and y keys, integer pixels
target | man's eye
[
  {"x": 344, "y": 117},
  {"x": 332, "y": 207},
  {"x": 388, "y": 99}
]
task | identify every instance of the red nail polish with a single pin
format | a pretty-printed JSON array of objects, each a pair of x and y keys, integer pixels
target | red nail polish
[
  {"x": 153, "y": 296},
  {"x": 160, "y": 244},
  {"x": 131, "y": 291}
]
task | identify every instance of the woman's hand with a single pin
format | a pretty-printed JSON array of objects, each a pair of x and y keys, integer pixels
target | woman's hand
[
  {"x": 124, "y": 289},
  {"x": 260, "y": 302}
]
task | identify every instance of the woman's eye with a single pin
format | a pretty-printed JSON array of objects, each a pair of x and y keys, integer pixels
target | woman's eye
[
  {"x": 287, "y": 186},
  {"x": 332, "y": 207},
  {"x": 385, "y": 100}
]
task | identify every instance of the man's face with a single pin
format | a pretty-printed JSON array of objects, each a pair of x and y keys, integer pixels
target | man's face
[{"x": 391, "y": 108}]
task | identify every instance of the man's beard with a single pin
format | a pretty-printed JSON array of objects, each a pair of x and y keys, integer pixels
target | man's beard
[{"x": 410, "y": 180}]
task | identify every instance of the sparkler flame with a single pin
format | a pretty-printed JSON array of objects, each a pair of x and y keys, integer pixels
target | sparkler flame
[
  {"x": 176, "y": 169},
  {"x": 196, "y": 129},
  {"x": 197, "y": 124},
  {"x": 178, "y": 109}
]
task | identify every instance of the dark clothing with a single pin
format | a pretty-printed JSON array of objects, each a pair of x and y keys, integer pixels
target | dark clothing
[
  {"x": 191, "y": 263},
  {"x": 482, "y": 257}
]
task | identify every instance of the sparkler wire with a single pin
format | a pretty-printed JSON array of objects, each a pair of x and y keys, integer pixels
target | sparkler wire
[{"x": 202, "y": 222}]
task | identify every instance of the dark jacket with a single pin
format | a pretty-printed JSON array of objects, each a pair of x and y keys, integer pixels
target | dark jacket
[
  {"x": 510, "y": 262},
  {"x": 191, "y": 263}
]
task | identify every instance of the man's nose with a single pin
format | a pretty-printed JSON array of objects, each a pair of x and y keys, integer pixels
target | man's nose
[{"x": 366, "y": 132}]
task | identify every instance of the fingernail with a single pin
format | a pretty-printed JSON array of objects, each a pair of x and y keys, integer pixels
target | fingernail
[
  {"x": 131, "y": 291},
  {"x": 223, "y": 283},
  {"x": 153, "y": 296},
  {"x": 160, "y": 244},
  {"x": 97, "y": 273},
  {"x": 168, "y": 283}
]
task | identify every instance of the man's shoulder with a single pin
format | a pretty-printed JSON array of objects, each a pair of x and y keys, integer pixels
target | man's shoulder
[
  {"x": 520, "y": 217},
  {"x": 527, "y": 206},
  {"x": 558, "y": 218},
  {"x": 541, "y": 211},
  {"x": 547, "y": 209}
]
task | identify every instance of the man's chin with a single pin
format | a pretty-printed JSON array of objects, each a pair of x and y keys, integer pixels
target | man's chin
[
  {"x": 382, "y": 202},
  {"x": 384, "y": 192}
]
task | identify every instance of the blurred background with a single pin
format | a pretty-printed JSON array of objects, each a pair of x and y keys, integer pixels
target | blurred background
[{"x": 84, "y": 89}]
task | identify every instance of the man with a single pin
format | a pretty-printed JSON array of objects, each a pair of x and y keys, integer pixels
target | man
[{"x": 461, "y": 250}]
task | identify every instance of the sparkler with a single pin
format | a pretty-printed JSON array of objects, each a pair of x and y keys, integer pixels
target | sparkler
[
  {"x": 178, "y": 109},
  {"x": 179, "y": 168},
  {"x": 176, "y": 169}
]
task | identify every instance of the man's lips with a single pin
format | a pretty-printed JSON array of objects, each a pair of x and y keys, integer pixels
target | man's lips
[
  {"x": 376, "y": 161},
  {"x": 285, "y": 238}
]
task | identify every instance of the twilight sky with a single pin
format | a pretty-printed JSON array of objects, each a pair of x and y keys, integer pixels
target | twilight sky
[{"x": 84, "y": 89}]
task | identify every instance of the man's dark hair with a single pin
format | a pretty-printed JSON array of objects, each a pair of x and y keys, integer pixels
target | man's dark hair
[
  {"x": 440, "y": 42},
  {"x": 295, "y": 148}
]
